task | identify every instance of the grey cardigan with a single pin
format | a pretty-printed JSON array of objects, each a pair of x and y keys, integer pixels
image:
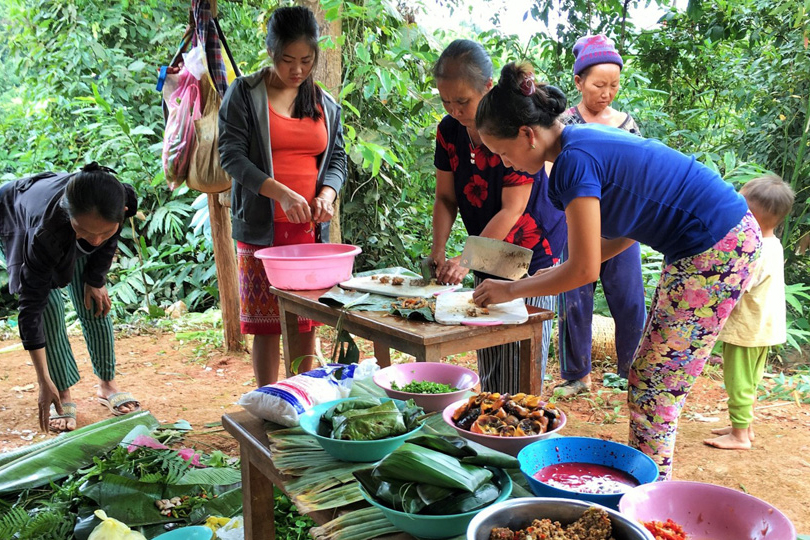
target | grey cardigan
[{"x": 244, "y": 153}]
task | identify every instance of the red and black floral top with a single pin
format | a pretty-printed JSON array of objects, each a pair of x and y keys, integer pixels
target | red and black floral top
[{"x": 479, "y": 178}]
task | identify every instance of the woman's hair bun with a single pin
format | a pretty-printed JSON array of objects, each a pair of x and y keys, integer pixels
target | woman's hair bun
[{"x": 555, "y": 100}]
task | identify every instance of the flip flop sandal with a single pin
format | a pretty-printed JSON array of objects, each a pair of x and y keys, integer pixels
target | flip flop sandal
[
  {"x": 68, "y": 411},
  {"x": 113, "y": 401}
]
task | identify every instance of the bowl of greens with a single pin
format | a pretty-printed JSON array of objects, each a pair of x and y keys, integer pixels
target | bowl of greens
[
  {"x": 433, "y": 485},
  {"x": 362, "y": 429},
  {"x": 431, "y": 385}
]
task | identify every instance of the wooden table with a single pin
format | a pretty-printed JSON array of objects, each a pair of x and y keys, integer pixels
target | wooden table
[
  {"x": 259, "y": 475},
  {"x": 428, "y": 342}
]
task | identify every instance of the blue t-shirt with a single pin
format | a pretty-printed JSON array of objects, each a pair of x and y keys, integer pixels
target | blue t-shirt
[
  {"x": 479, "y": 177},
  {"x": 648, "y": 191}
]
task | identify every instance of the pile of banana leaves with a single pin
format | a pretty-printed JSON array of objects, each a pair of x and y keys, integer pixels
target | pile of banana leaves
[
  {"x": 369, "y": 419},
  {"x": 436, "y": 475},
  {"x": 50, "y": 490}
]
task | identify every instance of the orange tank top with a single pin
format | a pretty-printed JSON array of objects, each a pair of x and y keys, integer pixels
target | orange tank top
[{"x": 296, "y": 144}]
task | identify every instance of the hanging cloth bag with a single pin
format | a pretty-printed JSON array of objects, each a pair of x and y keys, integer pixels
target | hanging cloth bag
[{"x": 205, "y": 173}]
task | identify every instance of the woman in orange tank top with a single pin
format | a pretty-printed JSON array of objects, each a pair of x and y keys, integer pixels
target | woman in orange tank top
[{"x": 281, "y": 141}]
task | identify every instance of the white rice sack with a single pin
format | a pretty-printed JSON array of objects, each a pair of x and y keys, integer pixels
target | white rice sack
[{"x": 284, "y": 401}]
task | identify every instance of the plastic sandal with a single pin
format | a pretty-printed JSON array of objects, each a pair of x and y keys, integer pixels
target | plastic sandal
[
  {"x": 113, "y": 401},
  {"x": 68, "y": 411}
]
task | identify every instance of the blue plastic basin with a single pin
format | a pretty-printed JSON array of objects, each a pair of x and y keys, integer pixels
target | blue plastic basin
[{"x": 546, "y": 452}]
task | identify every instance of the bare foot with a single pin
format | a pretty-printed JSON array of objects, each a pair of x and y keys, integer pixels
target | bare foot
[
  {"x": 731, "y": 441},
  {"x": 726, "y": 430},
  {"x": 108, "y": 388},
  {"x": 65, "y": 423}
]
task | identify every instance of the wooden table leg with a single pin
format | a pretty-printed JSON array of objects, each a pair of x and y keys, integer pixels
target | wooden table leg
[
  {"x": 531, "y": 365},
  {"x": 258, "y": 505},
  {"x": 290, "y": 337},
  {"x": 383, "y": 354}
]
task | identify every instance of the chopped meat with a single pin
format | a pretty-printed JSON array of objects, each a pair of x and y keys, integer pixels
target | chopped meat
[
  {"x": 399, "y": 280},
  {"x": 385, "y": 279},
  {"x": 593, "y": 525}
]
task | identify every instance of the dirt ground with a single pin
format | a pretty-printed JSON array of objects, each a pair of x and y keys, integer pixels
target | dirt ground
[{"x": 194, "y": 382}]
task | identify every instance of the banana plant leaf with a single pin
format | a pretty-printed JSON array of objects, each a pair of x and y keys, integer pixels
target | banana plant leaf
[
  {"x": 460, "y": 502},
  {"x": 129, "y": 500},
  {"x": 466, "y": 451},
  {"x": 218, "y": 476},
  {"x": 396, "y": 494},
  {"x": 75, "y": 450},
  {"x": 410, "y": 461},
  {"x": 369, "y": 424}
]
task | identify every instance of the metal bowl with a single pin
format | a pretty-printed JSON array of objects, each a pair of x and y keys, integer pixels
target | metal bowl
[{"x": 519, "y": 513}]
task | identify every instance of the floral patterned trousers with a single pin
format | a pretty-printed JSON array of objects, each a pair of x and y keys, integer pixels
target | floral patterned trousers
[{"x": 691, "y": 303}]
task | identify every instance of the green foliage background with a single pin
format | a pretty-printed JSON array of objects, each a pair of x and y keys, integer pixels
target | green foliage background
[{"x": 726, "y": 80}]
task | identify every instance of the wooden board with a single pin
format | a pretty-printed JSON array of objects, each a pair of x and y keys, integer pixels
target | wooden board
[
  {"x": 451, "y": 308},
  {"x": 369, "y": 285}
]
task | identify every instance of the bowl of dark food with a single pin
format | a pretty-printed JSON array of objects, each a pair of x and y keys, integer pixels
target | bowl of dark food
[
  {"x": 431, "y": 385},
  {"x": 504, "y": 422},
  {"x": 561, "y": 519},
  {"x": 362, "y": 429},
  {"x": 692, "y": 510},
  {"x": 585, "y": 468},
  {"x": 433, "y": 486},
  {"x": 307, "y": 267}
]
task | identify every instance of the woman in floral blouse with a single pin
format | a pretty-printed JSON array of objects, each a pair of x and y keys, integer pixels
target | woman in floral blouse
[{"x": 494, "y": 201}]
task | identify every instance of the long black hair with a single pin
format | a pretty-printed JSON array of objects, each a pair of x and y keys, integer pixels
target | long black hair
[
  {"x": 517, "y": 101},
  {"x": 288, "y": 25},
  {"x": 465, "y": 60},
  {"x": 95, "y": 190}
]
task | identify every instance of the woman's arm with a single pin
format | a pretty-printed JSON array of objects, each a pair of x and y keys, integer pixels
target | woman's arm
[
  {"x": 614, "y": 246},
  {"x": 582, "y": 266},
  {"x": 513, "y": 203},
  {"x": 335, "y": 175},
  {"x": 48, "y": 393},
  {"x": 445, "y": 210}
]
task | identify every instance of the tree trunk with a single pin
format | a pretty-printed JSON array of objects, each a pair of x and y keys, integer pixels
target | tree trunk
[
  {"x": 227, "y": 280},
  {"x": 330, "y": 73}
]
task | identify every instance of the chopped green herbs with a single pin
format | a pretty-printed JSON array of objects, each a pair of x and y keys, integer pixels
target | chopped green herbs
[{"x": 424, "y": 387}]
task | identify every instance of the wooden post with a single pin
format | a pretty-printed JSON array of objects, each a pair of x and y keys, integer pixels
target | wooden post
[
  {"x": 227, "y": 280},
  {"x": 329, "y": 72}
]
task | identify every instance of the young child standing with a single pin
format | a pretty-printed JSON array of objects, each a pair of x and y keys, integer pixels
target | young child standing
[{"x": 757, "y": 322}]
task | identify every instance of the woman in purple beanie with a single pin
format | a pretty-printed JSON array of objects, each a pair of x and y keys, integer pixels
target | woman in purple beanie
[{"x": 596, "y": 74}]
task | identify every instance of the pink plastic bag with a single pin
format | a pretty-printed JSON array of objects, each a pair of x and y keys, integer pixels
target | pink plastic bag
[{"x": 179, "y": 138}]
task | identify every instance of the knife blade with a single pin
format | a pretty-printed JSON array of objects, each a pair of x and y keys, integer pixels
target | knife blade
[
  {"x": 428, "y": 268},
  {"x": 496, "y": 257}
]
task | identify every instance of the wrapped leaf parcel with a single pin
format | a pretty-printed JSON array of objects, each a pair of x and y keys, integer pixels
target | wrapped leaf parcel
[
  {"x": 369, "y": 419},
  {"x": 445, "y": 485}
]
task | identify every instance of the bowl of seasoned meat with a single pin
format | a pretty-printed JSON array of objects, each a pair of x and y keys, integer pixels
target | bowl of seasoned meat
[
  {"x": 701, "y": 510},
  {"x": 504, "y": 422},
  {"x": 561, "y": 519}
]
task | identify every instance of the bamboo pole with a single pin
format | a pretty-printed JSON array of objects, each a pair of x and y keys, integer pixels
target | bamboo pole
[{"x": 227, "y": 281}]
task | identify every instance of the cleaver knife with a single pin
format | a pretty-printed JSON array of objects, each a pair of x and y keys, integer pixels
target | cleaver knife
[{"x": 496, "y": 257}]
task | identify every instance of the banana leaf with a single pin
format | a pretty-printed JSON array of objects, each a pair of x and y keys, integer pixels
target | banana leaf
[
  {"x": 399, "y": 495},
  {"x": 466, "y": 451},
  {"x": 369, "y": 424},
  {"x": 461, "y": 502},
  {"x": 219, "y": 476},
  {"x": 351, "y": 405},
  {"x": 74, "y": 451},
  {"x": 410, "y": 461}
]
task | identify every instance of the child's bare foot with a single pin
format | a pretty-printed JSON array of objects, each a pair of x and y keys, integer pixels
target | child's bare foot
[
  {"x": 737, "y": 439},
  {"x": 726, "y": 430}
]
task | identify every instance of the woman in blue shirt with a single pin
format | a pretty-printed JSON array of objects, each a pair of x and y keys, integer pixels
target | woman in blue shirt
[{"x": 617, "y": 189}]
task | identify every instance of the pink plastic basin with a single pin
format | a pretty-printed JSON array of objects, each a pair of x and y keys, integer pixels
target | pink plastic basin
[
  {"x": 307, "y": 267},
  {"x": 456, "y": 376},
  {"x": 707, "y": 511},
  {"x": 507, "y": 445}
]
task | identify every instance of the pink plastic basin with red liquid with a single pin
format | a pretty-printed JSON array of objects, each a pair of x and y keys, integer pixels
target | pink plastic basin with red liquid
[
  {"x": 707, "y": 511},
  {"x": 308, "y": 267}
]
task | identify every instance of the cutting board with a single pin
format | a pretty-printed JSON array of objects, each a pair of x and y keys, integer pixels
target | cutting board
[
  {"x": 451, "y": 308},
  {"x": 369, "y": 285}
]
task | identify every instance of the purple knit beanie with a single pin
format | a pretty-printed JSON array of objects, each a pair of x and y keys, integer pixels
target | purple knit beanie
[{"x": 592, "y": 50}]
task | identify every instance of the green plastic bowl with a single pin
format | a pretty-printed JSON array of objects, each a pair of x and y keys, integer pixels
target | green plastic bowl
[
  {"x": 357, "y": 451},
  {"x": 446, "y": 526}
]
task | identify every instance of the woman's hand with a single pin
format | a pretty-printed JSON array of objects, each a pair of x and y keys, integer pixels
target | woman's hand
[
  {"x": 493, "y": 291},
  {"x": 99, "y": 297},
  {"x": 295, "y": 207},
  {"x": 48, "y": 394},
  {"x": 449, "y": 271},
  {"x": 322, "y": 209}
]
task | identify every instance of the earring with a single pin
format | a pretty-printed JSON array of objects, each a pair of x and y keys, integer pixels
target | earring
[{"x": 533, "y": 147}]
